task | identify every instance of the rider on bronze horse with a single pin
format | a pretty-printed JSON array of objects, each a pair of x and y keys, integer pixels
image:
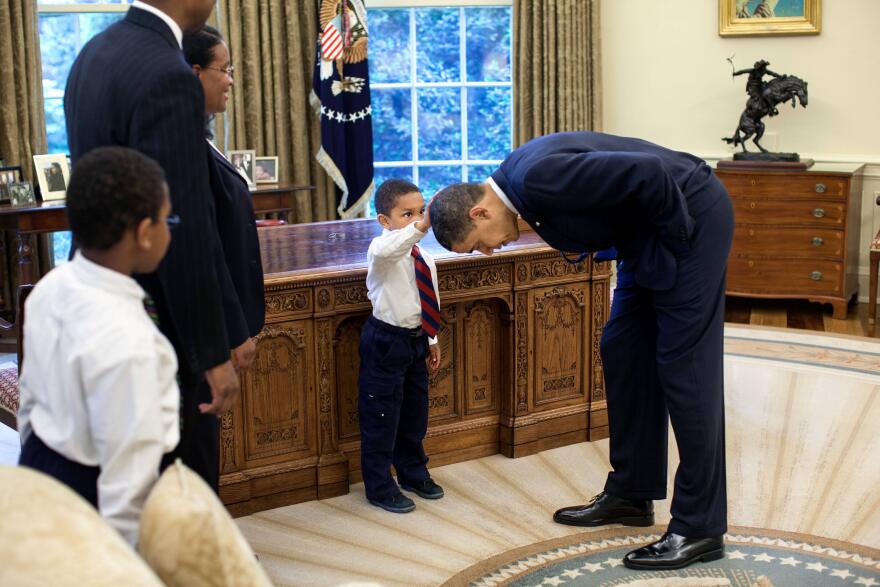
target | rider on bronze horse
[{"x": 763, "y": 98}]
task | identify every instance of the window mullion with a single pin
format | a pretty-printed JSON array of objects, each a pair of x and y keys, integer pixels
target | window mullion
[
  {"x": 462, "y": 60},
  {"x": 414, "y": 101}
]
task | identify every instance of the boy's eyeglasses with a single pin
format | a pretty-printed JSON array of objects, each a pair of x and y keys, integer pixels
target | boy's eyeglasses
[{"x": 173, "y": 220}]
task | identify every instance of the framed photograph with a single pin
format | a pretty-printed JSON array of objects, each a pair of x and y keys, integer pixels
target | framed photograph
[
  {"x": 21, "y": 193},
  {"x": 8, "y": 176},
  {"x": 244, "y": 161},
  {"x": 53, "y": 174},
  {"x": 739, "y": 18},
  {"x": 266, "y": 170}
]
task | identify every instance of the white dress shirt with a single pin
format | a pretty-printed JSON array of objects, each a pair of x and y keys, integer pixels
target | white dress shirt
[
  {"x": 98, "y": 383},
  {"x": 175, "y": 28},
  {"x": 502, "y": 196},
  {"x": 391, "y": 277}
]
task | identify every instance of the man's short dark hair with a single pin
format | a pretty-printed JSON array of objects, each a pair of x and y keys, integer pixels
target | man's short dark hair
[
  {"x": 112, "y": 189},
  {"x": 388, "y": 193},
  {"x": 450, "y": 210}
]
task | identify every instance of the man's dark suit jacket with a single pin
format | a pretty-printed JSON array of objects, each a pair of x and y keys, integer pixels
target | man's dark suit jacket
[
  {"x": 586, "y": 192},
  {"x": 130, "y": 86},
  {"x": 244, "y": 304}
]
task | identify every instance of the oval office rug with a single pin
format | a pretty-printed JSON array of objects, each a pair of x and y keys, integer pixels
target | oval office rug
[{"x": 753, "y": 558}]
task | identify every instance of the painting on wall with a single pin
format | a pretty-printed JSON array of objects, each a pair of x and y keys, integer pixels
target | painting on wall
[{"x": 738, "y": 18}]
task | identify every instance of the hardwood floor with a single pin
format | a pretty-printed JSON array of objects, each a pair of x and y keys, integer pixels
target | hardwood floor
[{"x": 799, "y": 314}]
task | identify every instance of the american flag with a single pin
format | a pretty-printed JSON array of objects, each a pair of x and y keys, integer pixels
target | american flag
[{"x": 331, "y": 42}]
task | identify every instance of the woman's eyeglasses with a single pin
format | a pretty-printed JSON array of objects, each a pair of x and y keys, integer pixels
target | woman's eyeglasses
[{"x": 227, "y": 70}]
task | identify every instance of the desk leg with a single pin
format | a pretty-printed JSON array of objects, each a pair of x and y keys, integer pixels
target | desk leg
[
  {"x": 3, "y": 272},
  {"x": 25, "y": 259},
  {"x": 872, "y": 291}
]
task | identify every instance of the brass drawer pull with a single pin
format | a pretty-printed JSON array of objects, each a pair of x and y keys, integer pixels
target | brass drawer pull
[
  {"x": 820, "y": 188},
  {"x": 818, "y": 241},
  {"x": 816, "y": 276},
  {"x": 819, "y": 212}
]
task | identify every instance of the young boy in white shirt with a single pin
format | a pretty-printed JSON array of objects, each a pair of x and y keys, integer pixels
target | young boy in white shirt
[
  {"x": 99, "y": 396},
  {"x": 398, "y": 345}
]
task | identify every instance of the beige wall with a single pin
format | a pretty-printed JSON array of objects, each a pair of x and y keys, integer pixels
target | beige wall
[{"x": 666, "y": 79}]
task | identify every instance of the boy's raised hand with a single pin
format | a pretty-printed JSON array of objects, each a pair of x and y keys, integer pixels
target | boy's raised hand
[{"x": 425, "y": 223}]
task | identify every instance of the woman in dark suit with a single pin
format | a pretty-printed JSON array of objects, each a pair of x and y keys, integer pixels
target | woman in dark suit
[{"x": 243, "y": 300}]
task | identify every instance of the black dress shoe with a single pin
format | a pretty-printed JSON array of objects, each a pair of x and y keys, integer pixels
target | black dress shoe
[
  {"x": 607, "y": 509},
  {"x": 426, "y": 489},
  {"x": 673, "y": 551},
  {"x": 396, "y": 504}
]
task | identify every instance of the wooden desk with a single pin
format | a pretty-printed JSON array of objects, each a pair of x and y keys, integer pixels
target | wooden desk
[
  {"x": 520, "y": 368},
  {"x": 29, "y": 219}
]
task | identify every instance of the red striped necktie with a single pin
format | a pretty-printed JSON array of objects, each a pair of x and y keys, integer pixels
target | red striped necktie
[{"x": 430, "y": 308}]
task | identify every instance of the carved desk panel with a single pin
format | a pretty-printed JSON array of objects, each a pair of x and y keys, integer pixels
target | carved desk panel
[{"x": 520, "y": 368}]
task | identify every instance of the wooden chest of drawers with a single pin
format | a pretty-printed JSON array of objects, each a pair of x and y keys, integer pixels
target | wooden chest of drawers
[{"x": 797, "y": 233}]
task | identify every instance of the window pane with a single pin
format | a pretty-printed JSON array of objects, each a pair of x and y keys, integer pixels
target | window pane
[
  {"x": 61, "y": 38},
  {"x": 437, "y": 45},
  {"x": 392, "y": 126},
  {"x": 384, "y": 173},
  {"x": 433, "y": 178},
  {"x": 488, "y": 43},
  {"x": 56, "y": 129},
  {"x": 390, "y": 48},
  {"x": 488, "y": 122},
  {"x": 479, "y": 173},
  {"x": 439, "y": 123},
  {"x": 60, "y": 247}
]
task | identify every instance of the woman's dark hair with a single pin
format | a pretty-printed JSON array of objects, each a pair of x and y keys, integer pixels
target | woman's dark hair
[
  {"x": 198, "y": 49},
  {"x": 198, "y": 46}
]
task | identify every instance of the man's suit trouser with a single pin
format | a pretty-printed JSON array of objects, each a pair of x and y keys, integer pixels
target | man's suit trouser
[
  {"x": 662, "y": 353},
  {"x": 199, "y": 446}
]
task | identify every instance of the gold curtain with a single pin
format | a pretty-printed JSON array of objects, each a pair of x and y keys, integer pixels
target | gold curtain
[
  {"x": 557, "y": 71},
  {"x": 273, "y": 52},
  {"x": 22, "y": 122},
  {"x": 22, "y": 125}
]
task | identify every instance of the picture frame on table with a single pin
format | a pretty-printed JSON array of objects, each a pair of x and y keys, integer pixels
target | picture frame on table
[
  {"x": 9, "y": 174},
  {"x": 747, "y": 18},
  {"x": 266, "y": 170},
  {"x": 22, "y": 193},
  {"x": 53, "y": 175},
  {"x": 243, "y": 160}
]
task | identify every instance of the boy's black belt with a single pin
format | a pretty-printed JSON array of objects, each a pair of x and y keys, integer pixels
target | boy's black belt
[{"x": 397, "y": 329}]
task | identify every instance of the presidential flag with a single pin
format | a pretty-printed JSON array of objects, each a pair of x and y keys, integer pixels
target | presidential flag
[{"x": 341, "y": 98}]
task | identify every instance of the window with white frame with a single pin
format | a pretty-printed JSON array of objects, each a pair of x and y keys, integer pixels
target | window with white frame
[
  {"x": 440, "y": 83},
  {"x": 65, "y": 26}
]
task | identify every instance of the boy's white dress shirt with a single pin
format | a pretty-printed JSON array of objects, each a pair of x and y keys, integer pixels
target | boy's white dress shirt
[
  {"x": 391, "y": 277},
  {"x": 98, "y": 383}
]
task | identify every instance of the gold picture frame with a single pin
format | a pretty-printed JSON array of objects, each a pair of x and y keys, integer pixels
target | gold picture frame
[{"x": 741, "y": 18}]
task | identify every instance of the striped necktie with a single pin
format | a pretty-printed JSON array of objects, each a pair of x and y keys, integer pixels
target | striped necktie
[
  {"x": 152, "y": 312},
  {"x": 430, "y": 308}
]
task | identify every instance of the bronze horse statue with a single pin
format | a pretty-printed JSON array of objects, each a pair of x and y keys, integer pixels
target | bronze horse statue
[{"x": 777, "y": 91}]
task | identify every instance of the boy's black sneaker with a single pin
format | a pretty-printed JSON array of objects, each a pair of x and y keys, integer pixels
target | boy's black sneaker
[
  {"x": 396, "y": 504},
  {"x": 426, "y": 489}
]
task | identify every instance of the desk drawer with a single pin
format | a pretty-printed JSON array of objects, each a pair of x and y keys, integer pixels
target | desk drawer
[
  {"x": 754, "y": 239},
  {"x": 785, "y": 186},
  {"x": 821, "y": 213},
  {"x": 785, "y": 276}
]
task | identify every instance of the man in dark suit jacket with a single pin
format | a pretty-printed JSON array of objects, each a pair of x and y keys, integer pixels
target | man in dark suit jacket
[
  {"x": 671, "y": 223},
  {"x": 131, "y": 86}
]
